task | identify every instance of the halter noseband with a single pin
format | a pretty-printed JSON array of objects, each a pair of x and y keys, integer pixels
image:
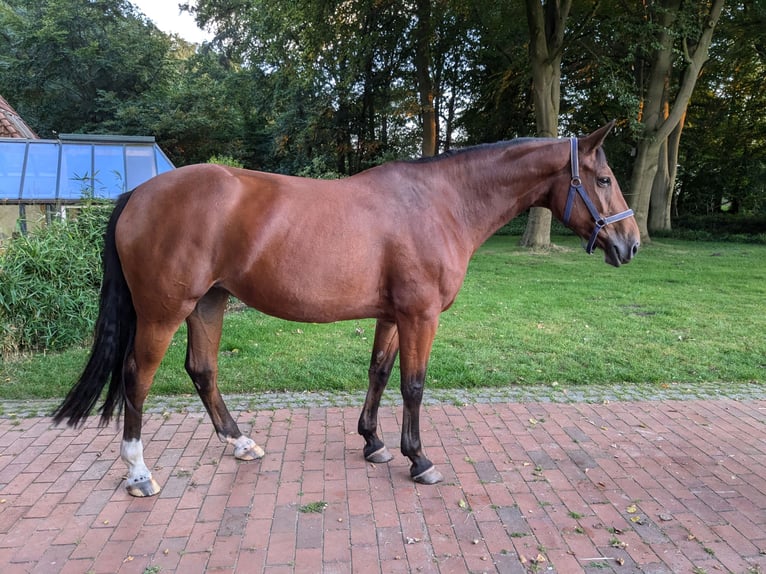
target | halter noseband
[{"x": 576, "y": 187}]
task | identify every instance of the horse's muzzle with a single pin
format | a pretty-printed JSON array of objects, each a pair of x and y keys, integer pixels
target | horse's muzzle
[{"x": 620, "y": 252}]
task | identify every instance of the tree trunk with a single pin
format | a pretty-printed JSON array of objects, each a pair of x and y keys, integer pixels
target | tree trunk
[
  {"x": 651, "y": 143},
  {"x": 661, "y": 203},
  {"x": 423, "y": 75},
  {"x": 546, "y": 23},
  {"x": 644, "y": 169},
  {"x": 537, "y": 232}
]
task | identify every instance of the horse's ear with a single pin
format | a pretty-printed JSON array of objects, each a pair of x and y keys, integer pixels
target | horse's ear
[{"x": 591, "y": 142}]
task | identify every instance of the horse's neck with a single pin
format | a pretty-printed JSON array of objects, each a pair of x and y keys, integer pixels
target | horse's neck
[{"x": 494, "y": 187}]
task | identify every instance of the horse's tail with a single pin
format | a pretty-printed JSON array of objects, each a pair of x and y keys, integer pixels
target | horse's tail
[{"x": 113, "y": 339}]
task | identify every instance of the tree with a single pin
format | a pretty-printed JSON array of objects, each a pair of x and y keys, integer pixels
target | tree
[
  {"x": 423, "y": 38},
  {"x": 198, "y": 110},
  {"x": 722, "y": 171},
  {"x": 69, "y": 63},
  {"x": 547, "y": 22},
  {"x": 333, "y": 87},
  {"x": 500, "y": 104},
  {"x": 372, "y": 80},
  {"x": 332, "y": 72},
  {"x": 663, "y": 111}
]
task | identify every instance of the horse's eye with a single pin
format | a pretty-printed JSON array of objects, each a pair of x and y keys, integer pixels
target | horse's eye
[{"x": 604, "y": 181}]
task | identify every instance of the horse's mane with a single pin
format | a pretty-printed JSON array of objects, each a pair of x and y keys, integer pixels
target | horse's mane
[{"x": 471, "y": 149}]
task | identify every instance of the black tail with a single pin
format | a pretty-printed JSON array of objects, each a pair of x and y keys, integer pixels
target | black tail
[{"x": 113, "y": 339}]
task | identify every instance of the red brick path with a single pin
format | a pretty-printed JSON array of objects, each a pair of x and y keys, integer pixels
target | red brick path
[{"x": 654, "y": 487}]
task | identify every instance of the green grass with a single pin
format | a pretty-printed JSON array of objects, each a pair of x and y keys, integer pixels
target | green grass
[
  {"x": 681, "y": 312},
  {"x": 313, "y": 507}
]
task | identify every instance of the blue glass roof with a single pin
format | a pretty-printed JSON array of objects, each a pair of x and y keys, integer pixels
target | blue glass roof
[{"x": 76, "y": 166}]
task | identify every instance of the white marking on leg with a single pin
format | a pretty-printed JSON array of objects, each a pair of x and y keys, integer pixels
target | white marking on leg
[
  {"x": 245, "y": 448},
  {"x": 132, "y": 452}
]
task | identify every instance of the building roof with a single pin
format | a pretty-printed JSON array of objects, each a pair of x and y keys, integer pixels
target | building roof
[{"x": 11, "y": 124}]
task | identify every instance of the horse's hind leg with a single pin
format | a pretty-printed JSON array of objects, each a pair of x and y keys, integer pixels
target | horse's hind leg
[
  {"x": 205, "y": 324},
  {"x": 384, "y": 352},
  {"x": 141, "y": 363}
]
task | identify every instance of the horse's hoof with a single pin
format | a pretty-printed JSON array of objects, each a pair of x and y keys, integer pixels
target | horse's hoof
[
  {"x": 379, "y": 456},
  {"x": 245, "y": 448},
  {"x": 148, "y": 487},
  {"x": 429, "y": 476},
  {"x": 252, "y": 453}
]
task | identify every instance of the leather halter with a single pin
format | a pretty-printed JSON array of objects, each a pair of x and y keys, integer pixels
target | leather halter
[{"x": 576, "y": 188}]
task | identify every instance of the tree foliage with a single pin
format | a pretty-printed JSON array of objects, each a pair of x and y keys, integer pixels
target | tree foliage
[
  {"x": 335, "y": 86},
  {"x": 69, "y": 65},
  {"x": 723, "y": 167}
]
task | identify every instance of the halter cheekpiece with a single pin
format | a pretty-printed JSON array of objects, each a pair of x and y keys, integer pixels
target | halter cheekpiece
[{"x": 576, "y": 188}]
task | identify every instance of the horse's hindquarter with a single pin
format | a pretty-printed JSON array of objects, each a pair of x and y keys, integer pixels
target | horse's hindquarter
[
  {"x": 168, "y": 237},
  {"x": 299, "y": 249}
]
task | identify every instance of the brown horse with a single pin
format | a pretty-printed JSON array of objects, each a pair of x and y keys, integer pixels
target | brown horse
[{"x": 392, "y": 243}]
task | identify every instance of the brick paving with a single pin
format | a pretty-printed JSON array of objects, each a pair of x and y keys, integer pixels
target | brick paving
[{"x": 650, "y": 486}]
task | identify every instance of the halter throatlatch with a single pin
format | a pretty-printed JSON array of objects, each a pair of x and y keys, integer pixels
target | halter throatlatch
[{"x": 576, "y": 188}]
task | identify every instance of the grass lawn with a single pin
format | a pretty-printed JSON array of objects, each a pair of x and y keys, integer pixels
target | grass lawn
[{"x": 681, "y": 312}]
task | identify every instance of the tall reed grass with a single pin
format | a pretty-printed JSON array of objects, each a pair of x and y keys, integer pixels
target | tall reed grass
[{"x": 49, "y": 282}]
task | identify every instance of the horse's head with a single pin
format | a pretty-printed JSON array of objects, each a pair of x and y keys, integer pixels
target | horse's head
[{"x": 594, "y": 206}]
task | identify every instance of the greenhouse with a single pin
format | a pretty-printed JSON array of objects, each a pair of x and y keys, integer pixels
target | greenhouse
[
  {"x": 76, "y": 166},
  {"x": 44, "y": 179}
]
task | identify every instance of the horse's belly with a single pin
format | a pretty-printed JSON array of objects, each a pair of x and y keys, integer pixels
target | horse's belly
[
  {"x": 308, "y": 308},
  {"x": 310, "y": 295}
]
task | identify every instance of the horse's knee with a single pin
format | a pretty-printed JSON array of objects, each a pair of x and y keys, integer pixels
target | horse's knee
[
  {"x": 201, "y": 375},
  {"x": 379, "y": 373},
  {"x": 412, "y": 391}
]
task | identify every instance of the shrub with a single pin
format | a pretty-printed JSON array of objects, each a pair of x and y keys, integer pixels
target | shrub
[
  {"x": 319, "y": 169},
  {"x": 718, "y": 227},
  {"x": 49, "y": 283},
  {"x": 225, "y": 160}
]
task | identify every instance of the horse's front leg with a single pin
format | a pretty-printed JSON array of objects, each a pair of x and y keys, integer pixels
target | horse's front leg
[
  {"x": 384, "y": 351},
  {"x": 416, "y": 338},
  {"x": 204, "y": 336}
]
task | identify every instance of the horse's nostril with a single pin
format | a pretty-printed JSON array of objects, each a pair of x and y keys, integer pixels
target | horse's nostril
[{"x": 634, "y": 249}]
